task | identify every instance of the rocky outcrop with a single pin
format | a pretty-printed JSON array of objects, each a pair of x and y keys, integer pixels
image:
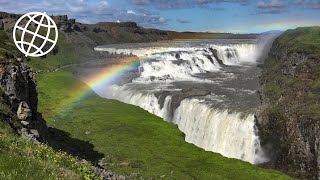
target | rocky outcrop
[
  {"x": 215, "y": 55},
  {"x": 24, "y": 112},
  {"x": 289, "y": 119},
  {"x": 18, "y": 84}
]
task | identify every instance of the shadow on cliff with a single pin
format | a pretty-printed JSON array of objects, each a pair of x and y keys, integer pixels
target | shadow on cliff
[{"x": 62, "y": 141}]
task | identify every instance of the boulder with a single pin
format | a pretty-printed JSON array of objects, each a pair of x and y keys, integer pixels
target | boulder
[
  {"x": 123, "y": 165},
  {"x": 24, "y": 111},
  {"x": 66, "y": 27},
  {"x": 25, "y": 123},
  {"x": 76, "y": 28},
  {"x": 35, "y": 133}
]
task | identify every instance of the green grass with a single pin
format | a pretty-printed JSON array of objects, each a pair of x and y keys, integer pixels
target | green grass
[
  {"x": 286, "y": 82},
  {"x": 66, "y": 55},
  {"x": 21, "y": 158},
  {"x": 302, "y": 40},
  {"x": 133, "y": 140}
]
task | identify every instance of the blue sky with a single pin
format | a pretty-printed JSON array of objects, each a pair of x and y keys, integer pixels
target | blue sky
[{"x": 237, "y": 16}]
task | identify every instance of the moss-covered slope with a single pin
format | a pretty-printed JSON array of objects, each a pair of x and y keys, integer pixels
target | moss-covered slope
[{"x": 290, "y": 118}]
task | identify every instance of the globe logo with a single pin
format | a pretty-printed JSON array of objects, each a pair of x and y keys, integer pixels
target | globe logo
[{"x": 35, "y": 34}]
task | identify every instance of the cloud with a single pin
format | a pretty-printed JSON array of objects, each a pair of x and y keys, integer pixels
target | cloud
[
  {"x": 271, "y": 7},
  {"x": 4, "y": 1},
  {"x": 130, "y": 12},
  {"x": 287, "y": 23},
  {"x": 85, "y": 11},
  {"x": 311, "y": 4},
  {"x": 242, "y": 2},
  {"x": 146, "y": 19},
  {"x": 182, "y": 4},
  {"x": 183, "y": 21},
  {"x": 163, "y": 4}
]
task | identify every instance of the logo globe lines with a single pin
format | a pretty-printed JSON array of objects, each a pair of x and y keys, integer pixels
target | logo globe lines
[{"x": 28, "y": 47}]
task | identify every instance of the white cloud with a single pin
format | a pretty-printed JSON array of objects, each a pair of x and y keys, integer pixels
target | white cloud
[
  {"x": 130, "y": 12},
  {"x": 104, "y": 3},
  {"x": 85, "y": 11},
  {"x": 271, "y": 7}
]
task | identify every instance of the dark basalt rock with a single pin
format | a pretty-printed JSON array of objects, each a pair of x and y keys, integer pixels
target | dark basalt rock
[
  {"x": 20, "y": 92},
  {"x": 76, "y": 28},
  {"x": 215, "y": 55},
  {"x": 178, "y": 96}
]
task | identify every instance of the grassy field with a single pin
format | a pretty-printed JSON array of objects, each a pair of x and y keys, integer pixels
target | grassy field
[{"x": 131, "y": 139}]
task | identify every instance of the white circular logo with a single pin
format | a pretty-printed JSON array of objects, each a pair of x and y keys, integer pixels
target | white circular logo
[{"x": 35, "y": 34}]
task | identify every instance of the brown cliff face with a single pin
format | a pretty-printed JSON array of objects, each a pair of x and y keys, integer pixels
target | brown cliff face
[{"x": 289, "y": 120}]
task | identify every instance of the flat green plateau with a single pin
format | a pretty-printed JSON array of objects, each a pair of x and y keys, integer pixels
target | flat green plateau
[{"x": 130, "y": 139}]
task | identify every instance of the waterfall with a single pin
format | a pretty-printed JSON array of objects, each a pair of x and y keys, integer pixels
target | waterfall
[
  {"x": 167, "y": 64},
  {"x": 230, "y": 133}
]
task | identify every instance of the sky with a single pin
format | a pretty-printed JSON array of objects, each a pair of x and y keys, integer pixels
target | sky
[{"x": 236, "y": 16}]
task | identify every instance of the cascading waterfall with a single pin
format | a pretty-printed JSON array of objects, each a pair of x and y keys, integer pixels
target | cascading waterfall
[
  {"x": 180, "y": 64},
  {"x": 148, "y": 101},
  {"x": 230, "y": 133}
]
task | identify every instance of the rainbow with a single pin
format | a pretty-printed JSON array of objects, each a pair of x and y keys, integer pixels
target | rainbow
[
  {"x": 101, "y": 79},
  {"x": 105, "y": 77}
]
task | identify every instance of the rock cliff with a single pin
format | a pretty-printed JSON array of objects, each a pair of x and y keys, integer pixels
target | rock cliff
[
  {"x": 289, "y": 120},
  {"x": 19, "y": 91}
]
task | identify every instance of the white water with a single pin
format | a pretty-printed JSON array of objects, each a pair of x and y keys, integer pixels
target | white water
[
  {"x": 219, "y": 131},
  {"x": 229, "y": 133},
  {"x": 148, "y": 101},
  {"x": 167, "y": 64}
]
